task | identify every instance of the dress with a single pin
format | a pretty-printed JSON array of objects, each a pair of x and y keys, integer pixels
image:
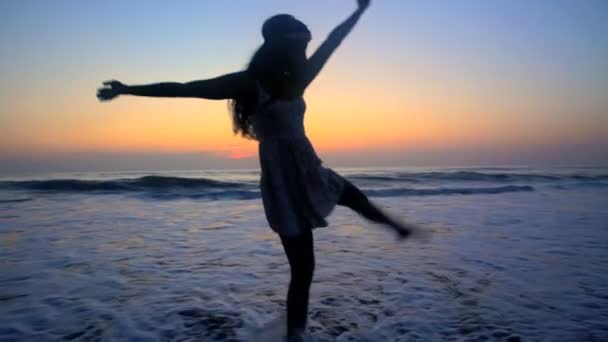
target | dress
[{"x": 298, "y": 193}]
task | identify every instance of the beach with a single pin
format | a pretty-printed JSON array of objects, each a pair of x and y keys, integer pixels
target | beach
[{"x": 517, "y": 253}]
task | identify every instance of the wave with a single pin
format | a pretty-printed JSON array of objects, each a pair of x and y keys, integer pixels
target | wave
[
  {"x": 447, "y": 191},
  {"x": 146, "y": 183},
  {"x": 246, "y": 195},
  {"x": 167, "y": 188},
  {"x": 383, "y": 178},
  {"x": 475, "y": 176},
  {"x": 212, "y": 195},
  {"x": 15, "y": 200},
  {"x": 154, "y": 182}
]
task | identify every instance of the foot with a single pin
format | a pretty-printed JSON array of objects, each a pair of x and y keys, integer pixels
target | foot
[
  {"x": 300, "y": 336},
  {"x": 410, "y": 231},
  {"x": 402, "y": 232}
]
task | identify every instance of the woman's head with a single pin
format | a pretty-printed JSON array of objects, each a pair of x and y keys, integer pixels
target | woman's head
[
  {"x": 286, "y": 31},
  {"x": 279, "y": 65},
  {"x": 283, "y": 54}
]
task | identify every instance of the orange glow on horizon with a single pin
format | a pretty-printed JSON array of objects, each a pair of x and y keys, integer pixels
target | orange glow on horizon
[
  {"x": 339, "y": 118},
  {"x": 240, "y": 155}
]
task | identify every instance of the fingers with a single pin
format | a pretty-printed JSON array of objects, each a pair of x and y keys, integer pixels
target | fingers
[
  {"x": 104, "y": 94},
  {"x": 101, "y": 96},
  {"x": 107, "y": 92}
]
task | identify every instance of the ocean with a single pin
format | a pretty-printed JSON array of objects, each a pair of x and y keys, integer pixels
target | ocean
[{"x": 516, "y": 254}]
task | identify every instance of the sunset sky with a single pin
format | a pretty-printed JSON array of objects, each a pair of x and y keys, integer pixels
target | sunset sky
[{"x": 416, "y": 82}]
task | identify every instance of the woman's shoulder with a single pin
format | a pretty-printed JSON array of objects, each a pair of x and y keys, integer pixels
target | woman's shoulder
[{"x": 247, "y": 85}]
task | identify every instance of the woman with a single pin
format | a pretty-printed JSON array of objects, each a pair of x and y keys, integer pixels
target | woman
[{"x": 298, "y": 193}]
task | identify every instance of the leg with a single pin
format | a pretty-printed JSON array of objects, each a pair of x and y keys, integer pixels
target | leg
[
  {"x": 356, "y": 200},
  {"x": 300, "y": 253}
]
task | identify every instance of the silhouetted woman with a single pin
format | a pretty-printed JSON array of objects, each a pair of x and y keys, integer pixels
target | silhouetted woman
[{"x": 267, "y": 105}]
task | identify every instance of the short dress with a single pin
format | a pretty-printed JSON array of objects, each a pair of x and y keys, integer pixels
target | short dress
[{"x": 298, "y": 193}]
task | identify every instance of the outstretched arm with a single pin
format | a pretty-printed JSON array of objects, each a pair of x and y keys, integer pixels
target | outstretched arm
[
  {"x": 320, "y": 57},
  {"x": 224, "y": 87}
]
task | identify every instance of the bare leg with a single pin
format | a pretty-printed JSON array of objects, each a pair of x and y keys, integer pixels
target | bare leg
[
  {"x": 300, "y": 253},
  {"x": 356, "y": 200}
]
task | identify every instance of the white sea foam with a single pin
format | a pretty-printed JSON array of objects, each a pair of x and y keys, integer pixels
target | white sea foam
[{"x": 531, "y": 265}]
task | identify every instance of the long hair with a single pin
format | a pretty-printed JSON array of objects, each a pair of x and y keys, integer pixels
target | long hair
[{"x": 277, "y": 66}]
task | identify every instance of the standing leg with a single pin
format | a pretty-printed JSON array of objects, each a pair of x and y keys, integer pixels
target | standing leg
[
  {"x": 300, "y": 253},
  {"x": 353, "y": 198}
]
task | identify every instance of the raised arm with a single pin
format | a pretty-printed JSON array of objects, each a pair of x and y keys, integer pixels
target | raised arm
[
  {"x": 224, "y": 87},
  {"x": 325, "y": 50}
]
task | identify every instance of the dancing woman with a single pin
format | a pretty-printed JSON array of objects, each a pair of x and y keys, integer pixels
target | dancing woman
[{"x": 267, "y": 105}]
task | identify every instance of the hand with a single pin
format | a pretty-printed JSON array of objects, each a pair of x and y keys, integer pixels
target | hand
[
  {"x": 110, "y": 90},
  {"x": 363, "y": 4}
]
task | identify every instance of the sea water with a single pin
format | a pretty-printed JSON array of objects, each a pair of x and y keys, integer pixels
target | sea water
[{"x": 516, "y": 254}]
